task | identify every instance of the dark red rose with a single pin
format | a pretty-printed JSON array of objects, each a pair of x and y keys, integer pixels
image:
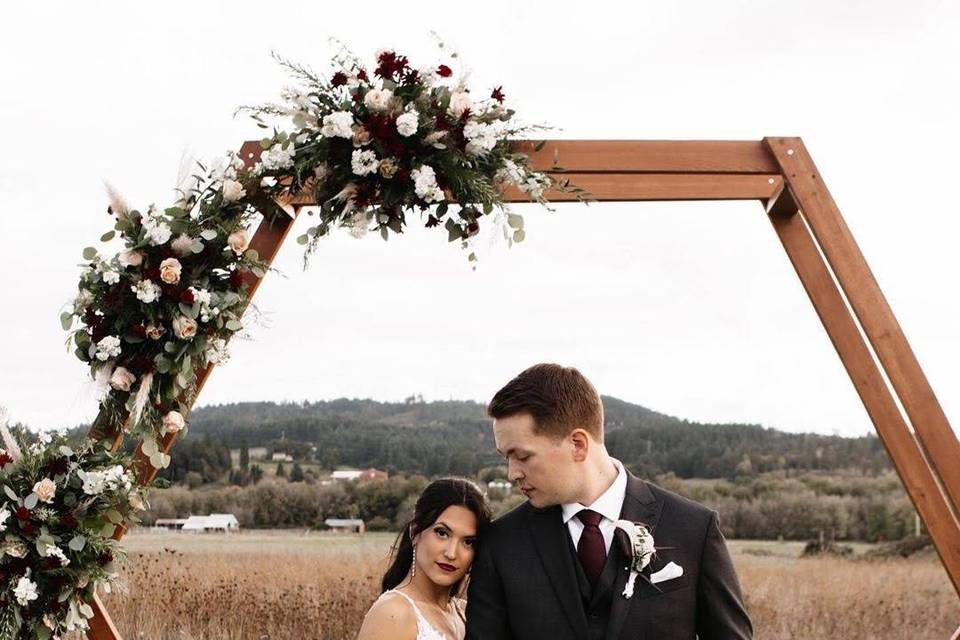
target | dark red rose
[
  {"x": 186, "y": 297},
  {"x": 28, "y": 527},
  {"x": 69, "y": 521},
  {"x": 139, "y": 330},
  {"x": 23, "y": 513},
  {"x": 339, "y": 79},
  {"x": 362, "y": 75},
  {"x": 497, "y": 94},
  {"x": 444, "y": 71},
  {"x": 50, "y": 563},
  {"x": 473, "y": 227},
  {"x": 58, "y": 466}
]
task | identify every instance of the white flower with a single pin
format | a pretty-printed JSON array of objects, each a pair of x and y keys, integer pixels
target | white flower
[
  {"x": 184, "y": 328},
  {"x": 172, "y": 423},
  {"x": 157, "y": 230},
  {"x": 364, "y": 162},
  {"x": 217, "y": 352},
  {"x": 642, "y": 544},
  {"x": 459, "y": 102},
  {"x": 130, "y": 258},
  {"x": 83, "y": 298},
  {"x": 53, "y": 551},
  {"x": 46, "y": 489},
  {"x": 25, "y": 591},
  {"x": 44, "y": 438},
  {"x": 378, "y": 99},
  {"x": 239, "y": 240},
  {"x": 182, "y": 245},
  {"x": 170, "y": 269},
  {"x": 146, "y": 291},
  {"x": 108, "y": 347},
  {"x": 110, "y": 277},
  {"x": 233, "y": 190},
  {"x": 122, "y": 379},
  {"x": 535, "y": 184},
  {"x": 407, "y": 123},
  {"x": 93, "y": 482},
  {"x": 338, "y": 124},
  {"x": 511, "y": 172},
  {"x": 277, "y": 157},
  {"x": 425, "y": 183},
  {"x": 480, "y": 137},
  {"x": 4, "y": 516}
]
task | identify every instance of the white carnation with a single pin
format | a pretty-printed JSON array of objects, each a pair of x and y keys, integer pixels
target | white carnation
[
  {"x": 364, "y": 162},
  {"x": 407, "y": 123},
  {"x": 217, "y": 352},
  {"x": 108, "y": 347},
  {"x": 277, "y": 157},
  {"x": 338, "y": 125},
  {"x": 4, "y": 516},
  {"x": 25, "y": 591},
  {"x": 146, "y": 291},
  {"x": 157, "y": 230},
  {"x": 480, "y": 137},
  {"x": 425, "y": 183},
  {"x": 111, "y": 277}
]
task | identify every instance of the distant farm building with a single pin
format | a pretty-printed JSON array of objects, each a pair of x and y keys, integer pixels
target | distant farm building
[
  {"x": 345, "y": 525},
  {"x": 282, "y": 457},
  {"x": 352, "y": 475},
  {"x": 216, "y": 522},
  {"x": 172, "y": 524}
]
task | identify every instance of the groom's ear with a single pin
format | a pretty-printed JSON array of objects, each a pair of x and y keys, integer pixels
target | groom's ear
[{"x": 579, "y": 439}]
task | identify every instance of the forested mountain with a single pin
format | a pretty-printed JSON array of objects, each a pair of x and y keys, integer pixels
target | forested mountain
[{"x": 433, "y": 438}]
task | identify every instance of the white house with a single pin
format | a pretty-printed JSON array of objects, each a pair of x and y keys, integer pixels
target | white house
[
  {"x": 282, "y": 457},
  {"x": 351, "y": 474},
  {"x": 225, "y": 522}
]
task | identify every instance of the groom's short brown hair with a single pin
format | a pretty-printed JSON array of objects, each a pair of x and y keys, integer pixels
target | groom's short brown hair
[{"x": 560, "y": 399}]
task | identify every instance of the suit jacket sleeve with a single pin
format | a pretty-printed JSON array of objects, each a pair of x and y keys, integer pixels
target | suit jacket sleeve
[
  {"x": 721, "y": 614},
  {"x": 486, "y": 601}
]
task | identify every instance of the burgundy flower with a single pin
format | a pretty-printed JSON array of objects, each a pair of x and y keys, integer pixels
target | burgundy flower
[
  {"x": 444, "y": 71},
  {"x": 28, "y": 527},
  {"x": 432, "y": 221},
  {"x": 186, "y": 297},
  {"x": 362, "y": 75},
  {"x": 497, "y": 94},
  {"x": 58, "y": 466},
  {"x": 139, "y": 330},
  {"x": 69, "y": 521},
  {"x": 357, "y": 97},
  {"x": 152, "y": 274},
  {"x": 390, "y": 64},
  {"x": 105, "y": 558},
  {"x": 237, "y": 278},
  {"x": 5, "y": 459},
  {"x": 412, "y": 77},
  {"x": 339, "y": 79}
]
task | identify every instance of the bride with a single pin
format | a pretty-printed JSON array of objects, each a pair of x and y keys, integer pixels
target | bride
[{"x": 430, "y": 559}]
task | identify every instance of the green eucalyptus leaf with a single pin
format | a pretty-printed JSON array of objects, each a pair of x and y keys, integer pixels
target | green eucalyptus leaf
[
  {"x": 108, "y": 236},
  {"x": 515, "y": 221},
  {"x": 208, "y": 234},
  {"x": 66, "y": 320},
  {"x": 89, "y": 253}
]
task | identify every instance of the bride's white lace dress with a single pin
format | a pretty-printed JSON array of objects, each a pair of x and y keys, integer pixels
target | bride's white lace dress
[{"x": 425, "y": 630}]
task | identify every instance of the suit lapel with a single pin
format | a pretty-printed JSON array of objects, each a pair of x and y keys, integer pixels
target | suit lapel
[
  {"x": 551, "y": 540},
  {"x": 639, "y": 505}
]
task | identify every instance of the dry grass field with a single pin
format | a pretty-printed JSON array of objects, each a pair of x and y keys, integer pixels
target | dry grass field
[{"x": 287, "y": 585}]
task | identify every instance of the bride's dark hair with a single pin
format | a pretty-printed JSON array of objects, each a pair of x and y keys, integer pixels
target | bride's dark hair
[{"x": 434, "y": 500}]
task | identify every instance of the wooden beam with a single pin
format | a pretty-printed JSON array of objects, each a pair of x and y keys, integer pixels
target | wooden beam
[
  {"x": 881, "y": 327},
  {"x": 903, "y": 449},
  {"x": 652, "y": 156}
]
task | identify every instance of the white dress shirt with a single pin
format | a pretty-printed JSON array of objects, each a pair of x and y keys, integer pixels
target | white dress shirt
[{"x": 608, "y": 505}]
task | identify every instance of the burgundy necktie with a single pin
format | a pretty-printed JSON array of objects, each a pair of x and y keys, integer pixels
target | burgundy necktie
[{"x": 591, "y": 549}]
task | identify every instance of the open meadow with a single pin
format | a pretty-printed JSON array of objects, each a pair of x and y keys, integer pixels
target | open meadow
[{"x": 287, "y": 584}]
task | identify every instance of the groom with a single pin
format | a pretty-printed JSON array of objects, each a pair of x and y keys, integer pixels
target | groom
[{"x": 556, "y": 567}]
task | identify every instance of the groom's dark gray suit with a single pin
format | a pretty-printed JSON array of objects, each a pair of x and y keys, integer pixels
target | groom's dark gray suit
[{"x": 526, "y": 582}]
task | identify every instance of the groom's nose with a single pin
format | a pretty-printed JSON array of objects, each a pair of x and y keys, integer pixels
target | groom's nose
[{"x": 513, "y": 473}]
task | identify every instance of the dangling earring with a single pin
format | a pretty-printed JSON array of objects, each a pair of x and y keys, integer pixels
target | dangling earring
[{"x": 413, "y": 565}]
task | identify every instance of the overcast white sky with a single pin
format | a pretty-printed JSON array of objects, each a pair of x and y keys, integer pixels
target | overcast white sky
[{"x": 689, "y": 309}]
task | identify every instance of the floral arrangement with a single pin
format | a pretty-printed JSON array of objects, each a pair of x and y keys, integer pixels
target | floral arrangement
[
  {"x": 59, "y": 508},
  {"x": 148, "y": 318},
  {"x": 371, "y": 144}
]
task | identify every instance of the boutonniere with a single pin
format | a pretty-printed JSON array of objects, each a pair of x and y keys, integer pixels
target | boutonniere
[{"x": 641, "y": 550}]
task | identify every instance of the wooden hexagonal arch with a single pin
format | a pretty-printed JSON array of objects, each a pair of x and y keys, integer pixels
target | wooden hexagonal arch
[{"x": 780, "y": 174}]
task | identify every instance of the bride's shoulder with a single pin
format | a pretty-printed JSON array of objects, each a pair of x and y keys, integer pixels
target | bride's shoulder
[{"x": 391, "y": 616}]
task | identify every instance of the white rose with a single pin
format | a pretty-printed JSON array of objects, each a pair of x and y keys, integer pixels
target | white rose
[
  {"x": 338, "y": 125},
  {"x": 459, "y": 102},
  {"x": 182, "y": 245},
  {"x": 121, "y": 379},
  {"x": 130, "y": 258},
  {"x": 378, "y": 99},
  {"x": 239, "y": 240},
  {"x": 407, "y": 124},
  {"x": 233, "y": 190},
  {"x": 184, "y": 327},
  {"x": 45, "y": 490},
  {"x": 172, "y": 423},
  {"x": 170, "y": 270}
]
